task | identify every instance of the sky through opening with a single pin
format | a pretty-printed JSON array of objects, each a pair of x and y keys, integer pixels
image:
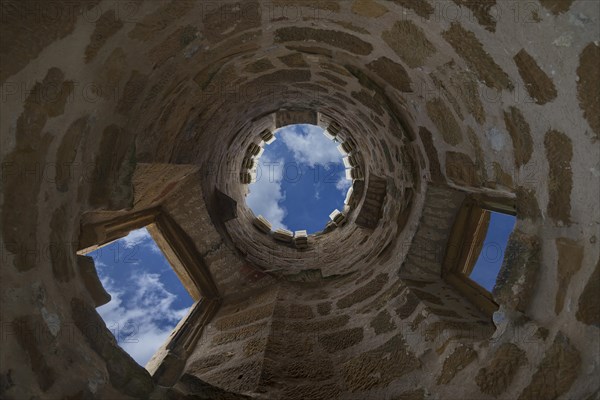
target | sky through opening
[
  {"x": 148, "y": 299},
  {"x": 491, "y": 256},
  {"x": 300, "y": 179}
]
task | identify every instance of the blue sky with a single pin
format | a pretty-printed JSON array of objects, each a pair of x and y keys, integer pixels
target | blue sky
[
  {"x": 492, "y": 253},
  {"x": 148, "y": 299},
  {"x": 300, "y": 180}
]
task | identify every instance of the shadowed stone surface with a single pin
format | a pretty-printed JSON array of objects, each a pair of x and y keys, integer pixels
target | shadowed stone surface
[
  {"x": 443, "y": 119},
  {"x": 420, "y": 7},
  {"x": 338, "y": 39},
  {"x": 557, "y": 6},
  {"x": 125, "y": 374},
  {"x": 44, "y": 31},
  {"x": 294, "y": 60},
  {"x": 539, "y": 86},
  {"x": 461, "y": 169},
  {"x": 556, "y": 373},
  {"x": 483, "y": 10},
  {"x": 412, "y": 395},
  {"x": 107, "y": 25},
  {"x": 570, "y": 256},
  {"x": 588, "y": 75},
  {"x": 378, "y": 367},
  {"x": 527, "y": 205},
  {"x": 520, "y": 133},
  {"x": 244, "y": 317},
  {"x": 341, "y": 340},
  {"x": 391, "y": 72},
  {"x": 409, "y": 42},
  {"x": 368, "y": 8},
  {"x": 497, "y": 377},
  {"x": 588, "y": 310},
  {"x": 29, "y": 340},
  {"x": 559, "y": 153},
  {"x": 382, "y": 323},
  {"x": 457, "y": 361},
  {"x": 47, "y": 99},
  {"x": 364, "y": 292},
  {"x": 116, "y": 115},
  {"x": 467, "y": 46},
  {"x": 517, "y": 277}
]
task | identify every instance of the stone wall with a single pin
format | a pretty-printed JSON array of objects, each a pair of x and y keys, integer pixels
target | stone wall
[{"x": 494, "y": 99}]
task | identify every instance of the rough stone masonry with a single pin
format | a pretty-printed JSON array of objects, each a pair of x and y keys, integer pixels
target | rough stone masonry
[{"x": 119, "y": 114}]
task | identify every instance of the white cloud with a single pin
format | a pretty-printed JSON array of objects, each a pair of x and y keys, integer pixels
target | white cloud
[
  {"x": 310, "y": 146},
  {"x": 154, "y": 247},
  {"x": 148, "y": 342},
  {"x": 140, "y": 237},
  {"x": 142, "y": 318},
  {"x": 265, "y": 194},
  {"x": 136, "y": 237},
  {"x": 343, "y": 184}
]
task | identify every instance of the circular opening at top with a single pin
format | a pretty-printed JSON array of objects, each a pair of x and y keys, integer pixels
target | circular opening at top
[{"x": 300, "y": 179}]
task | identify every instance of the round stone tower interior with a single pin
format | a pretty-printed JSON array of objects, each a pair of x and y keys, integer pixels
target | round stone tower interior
[{"x": 122, "y": 114}]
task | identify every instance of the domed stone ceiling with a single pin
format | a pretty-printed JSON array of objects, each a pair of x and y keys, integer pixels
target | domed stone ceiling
[{"x": 118, "y": 115}]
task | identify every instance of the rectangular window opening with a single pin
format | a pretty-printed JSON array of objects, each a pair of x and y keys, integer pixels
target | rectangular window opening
[
  {"x": 149, "y": 296},
  {"x": 485, "y": 269},
  {"x": 476, "y": 250}
]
